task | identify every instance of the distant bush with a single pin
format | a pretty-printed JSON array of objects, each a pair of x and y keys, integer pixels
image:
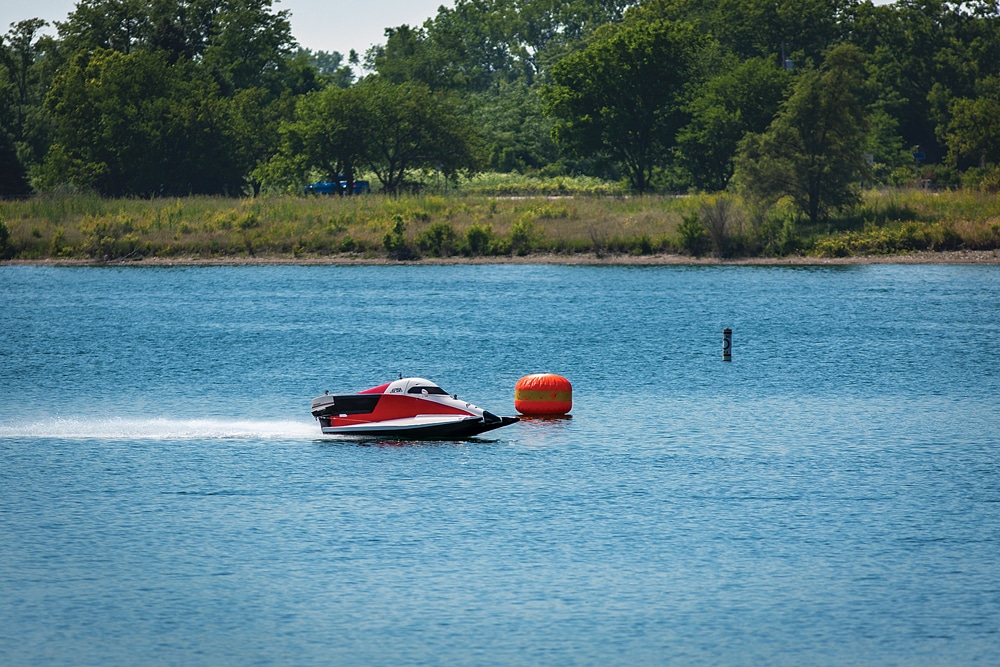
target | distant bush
[
  {"x": 394, "y": 240},
  {"x": 940, "y": 176},
  {"x": 778, "y": 234},
  {"x": 478, "y": 239},
  {"x": 991, "y": 181},
  {"x": 518, "y": 184},
  {"x": 522, "y": 236},
  {"x": 551, "y": 211},
  {"x": 694, "y": 239},
  {"x": 439, "y": 240},
  {"x": 112, "y": 238},
  {"x": 59, "y": 246},
  {"x": 718, "y": 215},
  {"x": 888, "y": 240},
  {"x": 4, "y": 240}
]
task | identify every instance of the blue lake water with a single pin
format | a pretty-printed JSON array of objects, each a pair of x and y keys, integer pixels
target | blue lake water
[{"x": 830, "y": 497}]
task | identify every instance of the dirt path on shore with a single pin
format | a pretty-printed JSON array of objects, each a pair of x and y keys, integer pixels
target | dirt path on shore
[{"x": 988, "y": 257}]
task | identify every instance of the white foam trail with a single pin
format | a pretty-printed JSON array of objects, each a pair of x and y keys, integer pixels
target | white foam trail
[{"x": 116, "y": 428}]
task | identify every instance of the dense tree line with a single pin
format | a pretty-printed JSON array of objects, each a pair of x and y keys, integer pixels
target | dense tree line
[{"x": 798, "y": 98}]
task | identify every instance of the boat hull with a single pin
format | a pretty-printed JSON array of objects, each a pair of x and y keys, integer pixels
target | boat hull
[{"x": 408, "y": 429}]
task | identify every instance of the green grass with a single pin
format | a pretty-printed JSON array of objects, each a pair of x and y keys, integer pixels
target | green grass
[
  {"x": 895, "y": 222},
  {"x": 516, "y": 184},
  {"x": 103, "y": 230}
]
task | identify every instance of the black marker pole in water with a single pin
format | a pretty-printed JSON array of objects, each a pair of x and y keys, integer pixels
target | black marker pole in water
[{"x": 727, "y": 344}]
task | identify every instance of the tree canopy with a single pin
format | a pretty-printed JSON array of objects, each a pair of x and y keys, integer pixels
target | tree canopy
[
  {"x": 622, "y": 96},
  {"x": 813, "y": 151},
  {"x": 132, "y": 124},
  {"x": 383, "y": 127},
  {"x": 215, "y": 96}
]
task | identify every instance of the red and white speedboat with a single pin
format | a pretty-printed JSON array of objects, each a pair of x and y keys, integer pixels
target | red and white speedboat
[{"x": 406, "y": 408}]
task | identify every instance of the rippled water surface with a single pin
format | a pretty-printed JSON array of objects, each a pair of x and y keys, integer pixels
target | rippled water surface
[{"x": 830, "y": 497}]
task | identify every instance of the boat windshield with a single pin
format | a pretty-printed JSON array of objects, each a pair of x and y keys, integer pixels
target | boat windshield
[{"x": 426, "y": 389}]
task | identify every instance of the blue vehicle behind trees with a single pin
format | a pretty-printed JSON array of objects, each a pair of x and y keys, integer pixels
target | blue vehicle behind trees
[{"x": 340, "y": 187}]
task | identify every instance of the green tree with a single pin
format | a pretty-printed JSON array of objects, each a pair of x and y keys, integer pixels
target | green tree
[
  {"x": 328, "y": 134},
  {"x": 330, "y": 66},
  {"x": 884, "y": 145},
  {"x": 213, "y": 80},
  {"x": 622, "y": 96},
  {"x": 923, "y": 54},
  {"x": 814, "y": 149},
  {"x": 386, "y": 128},
  {"x": 243, "y": 43},
  {"x": 135, "y": 125},
  {"x": 13, "y": 177},
  {"x": 408, "y": 55},
  {"x": 543, "y": 32},
  {"x": 117, "y": 25},
  {"x": 974, "y": 129},
  {"x": 252, "y": 131},
  {"x": 18, "y": 52},
  {"x": 797, "y": 29},
  {"x": 475, "y": 39},
  {"x": 479, "y": 45},
  {"x": 516, "y": 133},
  {"x": 744, "y": 97},
  {"x": 249, "y": 46},
  {"x": 408, "y": 126},
  {"x": 22, "y": 82}
]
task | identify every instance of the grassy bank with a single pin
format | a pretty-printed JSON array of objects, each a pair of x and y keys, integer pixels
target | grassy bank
[{"x": 90, "y": 228}]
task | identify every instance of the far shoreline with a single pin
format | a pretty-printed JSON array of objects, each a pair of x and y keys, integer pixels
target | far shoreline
[{"x": 954, "y": 257}]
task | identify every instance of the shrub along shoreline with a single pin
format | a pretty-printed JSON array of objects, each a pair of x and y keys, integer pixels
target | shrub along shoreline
[
  {"x": 889, "y": 225},
  {"x": 953, "y": 257}
]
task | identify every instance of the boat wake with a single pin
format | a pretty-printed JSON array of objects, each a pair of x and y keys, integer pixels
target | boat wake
[{"x": 160, "y": 429}]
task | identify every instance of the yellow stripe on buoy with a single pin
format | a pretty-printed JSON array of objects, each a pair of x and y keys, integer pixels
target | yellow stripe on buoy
[
  {"x": 529, "y": 395},
  {"x": 543, "y": 394}
]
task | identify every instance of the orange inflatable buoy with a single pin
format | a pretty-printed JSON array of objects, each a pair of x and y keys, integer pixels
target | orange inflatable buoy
[{"x": 543, "y": 394}]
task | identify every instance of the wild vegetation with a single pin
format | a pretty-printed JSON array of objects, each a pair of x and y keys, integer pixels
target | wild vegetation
[
  {"x": 96, "y": 229},
  {"x": 782, "y": 125}
]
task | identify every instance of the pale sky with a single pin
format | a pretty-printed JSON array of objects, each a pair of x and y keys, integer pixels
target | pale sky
[{"x": 320, "y": 25}]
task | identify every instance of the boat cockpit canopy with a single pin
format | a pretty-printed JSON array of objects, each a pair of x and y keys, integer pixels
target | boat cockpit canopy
[
  {"x": 424, "y": 389},
  {"x": 418, "y": 386}
]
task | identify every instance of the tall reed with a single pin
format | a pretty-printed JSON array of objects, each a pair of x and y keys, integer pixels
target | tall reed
[{"x": 89, "y": 228}]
